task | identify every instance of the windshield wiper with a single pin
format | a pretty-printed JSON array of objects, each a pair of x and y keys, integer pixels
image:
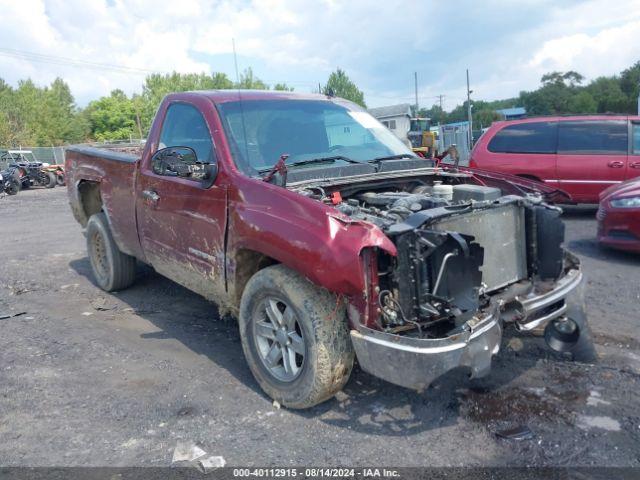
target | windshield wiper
[
  {"x": 393, "y": 157},
  {"x": 311, "y": 161}
]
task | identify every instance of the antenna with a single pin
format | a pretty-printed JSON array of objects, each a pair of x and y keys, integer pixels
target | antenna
[
  {"x": 244, "y": 128},
  {"x": 235, "y": 60}
]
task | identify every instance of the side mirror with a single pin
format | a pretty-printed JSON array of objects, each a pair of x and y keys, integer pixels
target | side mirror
[
  {"x": 183, "y": 162},
  {"x": 210, "y": 174},
  {"x": 174, "y": 161}
]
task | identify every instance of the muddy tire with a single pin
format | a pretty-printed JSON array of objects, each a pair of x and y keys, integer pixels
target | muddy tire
[
  {"x": 51, "y": 180},
  {"x": 295, "y": 337},
  {"x": 60, "y": 179},
  {"x": 112, "y": 269}
]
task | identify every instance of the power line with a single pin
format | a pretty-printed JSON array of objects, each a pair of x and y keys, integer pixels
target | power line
[
  {"x": 71, "y": 62},
  {"x": 78, "y": 63},
  {"x": 91, "y": 65}
]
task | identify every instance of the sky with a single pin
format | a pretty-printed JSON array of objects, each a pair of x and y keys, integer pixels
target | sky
[{"x": 506, "y": 45}]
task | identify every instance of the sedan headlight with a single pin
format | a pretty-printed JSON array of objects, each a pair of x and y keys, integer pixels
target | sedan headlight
[{"x": 629, "y": 202}]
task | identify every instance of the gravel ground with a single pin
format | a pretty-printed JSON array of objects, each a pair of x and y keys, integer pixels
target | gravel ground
[{"x": 89, "y": 378}]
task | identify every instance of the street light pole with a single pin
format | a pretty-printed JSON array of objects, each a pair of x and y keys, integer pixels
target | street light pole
[
  {"x": 415, "y": 78},
  {"x": 638, "y": 95},
  {"x": 469, "y": 113}
]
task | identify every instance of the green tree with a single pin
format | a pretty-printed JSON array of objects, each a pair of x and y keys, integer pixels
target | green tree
[
  {"x": 630, "y": 85},
  {"x": 59, "y": 120},
  {"x": 120, "y": 117},
  {"x": 11, "y": 122},
  {"x": 435, "y": 113},
  {"x": 561, "y": 78},
  {"x": 35, "y": 116},
  {"x": 608, "y": 95},
  {"x": 582, "y": 102},
  {"x": 282, "y": 87},
  {"x": 113, "y": 117},
  {"x": 156, "y": 86},
  {"x": 484, "y": 117},
  {"x": 340, "y": 85},
  {"x": 248, "y": 81}
]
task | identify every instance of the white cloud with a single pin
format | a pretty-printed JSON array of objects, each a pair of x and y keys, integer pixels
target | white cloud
[
  {"x": 609, "y": 50},
  {"x": 506, "y": 45}
]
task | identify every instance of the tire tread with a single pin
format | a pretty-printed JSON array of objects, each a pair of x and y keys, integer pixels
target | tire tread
[
  {"x": 123, "y": 272},
  {"x": 334, "y": 353}
]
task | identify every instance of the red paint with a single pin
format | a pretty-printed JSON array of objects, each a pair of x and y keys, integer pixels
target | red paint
[
  {"x": 189, "y": 228},
  {"x": 620, "y": 227},
  {"x": 304, "y": 234},
  {"x": 582, "y": 176}
]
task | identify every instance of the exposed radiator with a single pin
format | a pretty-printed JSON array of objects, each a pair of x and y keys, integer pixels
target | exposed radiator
[{"x": 501, "y": 232}]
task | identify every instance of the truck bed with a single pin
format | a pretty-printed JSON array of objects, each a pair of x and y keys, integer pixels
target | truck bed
[{"x": 109, "y": 172}]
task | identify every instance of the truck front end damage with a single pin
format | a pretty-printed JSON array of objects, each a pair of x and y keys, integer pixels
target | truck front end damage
[{"x": 468, "y": 263}]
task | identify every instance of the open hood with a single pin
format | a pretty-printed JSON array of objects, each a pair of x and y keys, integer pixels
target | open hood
[{"x": 515, "y": 185}]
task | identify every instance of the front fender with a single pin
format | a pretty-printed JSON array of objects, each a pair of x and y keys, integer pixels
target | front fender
[{"x": 322, "y": 246}]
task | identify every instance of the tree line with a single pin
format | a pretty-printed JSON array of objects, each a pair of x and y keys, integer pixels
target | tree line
[
  {"x": 48, "y": 116},
  {"x": 559, "y": 93}
]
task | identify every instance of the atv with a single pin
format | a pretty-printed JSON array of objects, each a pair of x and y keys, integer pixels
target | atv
[
  {"x": 28, "y": 171},
  {"x": 58, "y": 171}
]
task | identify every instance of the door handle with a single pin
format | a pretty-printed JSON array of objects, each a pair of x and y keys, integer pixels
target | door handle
[
  {"x": 635, "y": 165},
  {"x": 616, "y": 164},
  {"x": 150, "y": 196}
]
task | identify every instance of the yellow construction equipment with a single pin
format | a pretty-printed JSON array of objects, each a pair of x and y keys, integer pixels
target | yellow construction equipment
[{"x": 424, "y": 142}]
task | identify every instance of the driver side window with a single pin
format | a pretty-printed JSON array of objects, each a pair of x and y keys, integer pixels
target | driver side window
[{"x": 184, "y": 126}]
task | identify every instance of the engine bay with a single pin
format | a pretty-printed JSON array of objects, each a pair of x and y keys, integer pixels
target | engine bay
[{"x": 458, "y": 243}]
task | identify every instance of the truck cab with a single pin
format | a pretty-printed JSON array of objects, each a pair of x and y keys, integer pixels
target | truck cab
[{"x": 328, "y": 239}]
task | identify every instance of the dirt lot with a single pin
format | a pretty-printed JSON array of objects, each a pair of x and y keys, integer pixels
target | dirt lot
[{"x": 89, "y": 378}]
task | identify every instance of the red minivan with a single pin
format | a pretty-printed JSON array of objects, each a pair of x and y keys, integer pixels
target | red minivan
[{"x": 582, "y": 155}]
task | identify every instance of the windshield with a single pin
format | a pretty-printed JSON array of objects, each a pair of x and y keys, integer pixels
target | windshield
[
  {"x": 419, "y": 124},
  {"x": 262, "y": 130}
]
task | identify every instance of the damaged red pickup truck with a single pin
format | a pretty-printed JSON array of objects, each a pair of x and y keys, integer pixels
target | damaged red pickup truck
[{"x": 328, "y": 239}]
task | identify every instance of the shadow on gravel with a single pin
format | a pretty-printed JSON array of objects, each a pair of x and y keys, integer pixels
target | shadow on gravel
[
  {"x": 367, "y": 404},
  {"x": 183, "y": 315},
  {"x": 589, "y": 247},
  {"x": 373, "y": 407}
]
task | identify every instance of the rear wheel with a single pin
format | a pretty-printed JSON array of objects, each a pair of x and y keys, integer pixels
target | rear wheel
[
  {"x": 60, "y": 179},
  {"x": 295, "y": 338},
  {"x": 112, "y": 269},
  {"x": 49, "y": 179}
]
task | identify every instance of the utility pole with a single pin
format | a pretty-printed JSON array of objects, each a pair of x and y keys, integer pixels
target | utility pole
[
  {"x": 415, "y": 78},
  {"x": 440, "y": 97},
  {"x": 469, "y": 113}
]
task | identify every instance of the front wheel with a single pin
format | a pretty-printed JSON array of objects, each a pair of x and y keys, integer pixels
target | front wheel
[
  {"x": 112, "y": 269},
  {"x": 295, "y": 337},
  {"x": 12, "y": 187}
]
